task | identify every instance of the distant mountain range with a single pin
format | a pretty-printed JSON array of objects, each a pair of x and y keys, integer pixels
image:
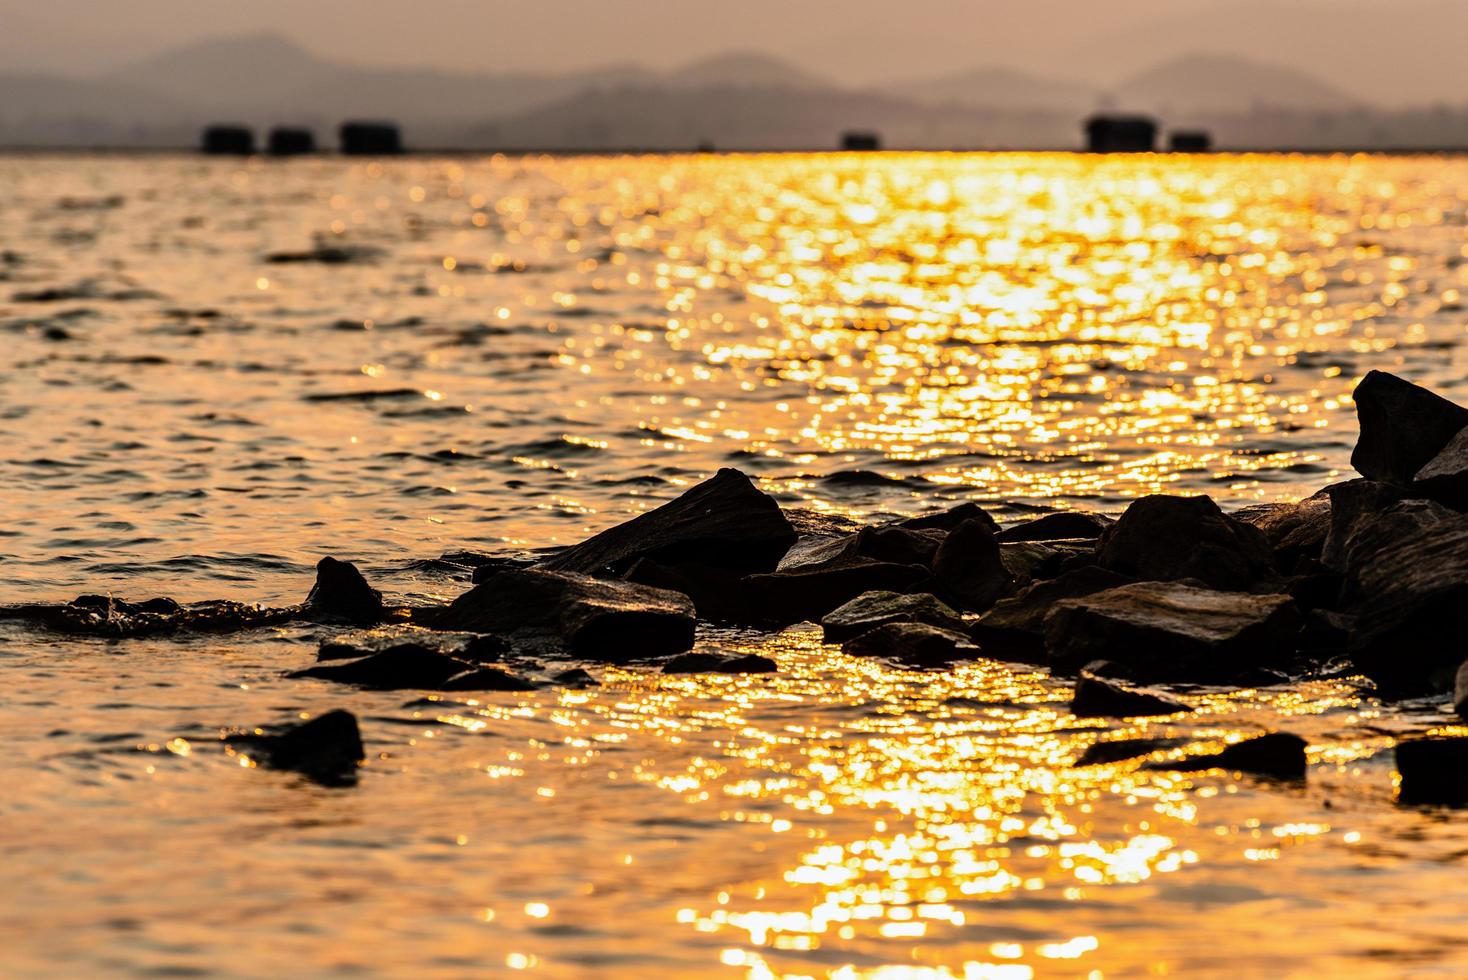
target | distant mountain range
[{"x": 736, "y": 101}]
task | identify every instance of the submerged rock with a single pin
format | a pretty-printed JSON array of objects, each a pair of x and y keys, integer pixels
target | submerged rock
[
  {"x": 110, "y": 617},
  {"x": 872, "y": 609},
  {"x": 969, "y": 568},
  {"x": 342, "y": 594},
  {"x": 724, "y": 522},
  {"x": 1434, "y": 771},
  {"x": 406, "y": 666},
  {"x": 1122, "y": 749},
  {"x": 325, "y": 749},
  {"x": 918, "y": 644},
  {"x": 711, "y": 663},
  {"x": 1278, "y": 754},
  {"x": 1096, "y": 697},
  {"x": 486, "y": 679},
  {"x": 1173, "y": 631},
  {"x": 1166, "y": 539},
  {"x": 1067, "y": 525},
  {"x": 566, "y": 612},
  {"x": 1403, "y": 427},
  {"x": 1408, "y": 632}
]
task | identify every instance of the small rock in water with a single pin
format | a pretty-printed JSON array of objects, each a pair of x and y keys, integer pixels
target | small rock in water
[
  {"x": 1167, "y": 539},
  {"x": 1278, "y": 754},
  {"x": 483, "y": 649},
  {"x": 710, "y": 663},
  {"x": 486, "y": 679},
  {"x": 1067, "y": 525},
  {"x": 969, "y": 568},
  {"x": 1121, "y": 749},
  {"x": 913, "y": 643},
  {"x": 1098, "y": 698},
  {"x": 567, "y": 612},
  {"x": 1403, "y": 427},
  {"x": 325, "y": 749},
  {"x": 342, "y": 594},
  {"x": 952, "y": 519},
  {"x": 724, "y": 522},
  {"x": 872, "y": 609},
  {"x": 407, "y": 666},
  {"x": 1434, "y": 771},
  {"x": 1173, "y": 631},
  {"x": 576, "y": 677}
]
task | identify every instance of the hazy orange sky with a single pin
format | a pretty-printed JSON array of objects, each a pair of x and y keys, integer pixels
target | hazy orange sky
[{"x": 1391, "y": 51}]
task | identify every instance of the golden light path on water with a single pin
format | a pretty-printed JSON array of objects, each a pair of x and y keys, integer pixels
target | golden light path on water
[{"x": 542, "y": 347}]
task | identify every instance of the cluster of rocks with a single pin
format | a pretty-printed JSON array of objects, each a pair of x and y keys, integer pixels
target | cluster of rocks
[{"x": 1368, "y": 576}]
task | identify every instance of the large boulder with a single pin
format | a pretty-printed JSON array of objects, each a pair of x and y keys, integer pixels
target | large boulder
[
  {"x": 1350, "y": 503},
  {"x": 1165, "y": 538},
  {"x": 566, "y": 612},
  {"x": 1372, "y": 534},
  {"x": 1096, "y": 697},
  {"x": 1434, "y": 771},
  {"x": 872, "y": 609},
  {"x": 1445, "y": 476},
  {"x": 1173, "y": 631},
  {"x": 341, "y": 594},
  {"x": 1409, "y": 629},
  {"x": 326, "y": 749},
  {"x": 724, "y": 522},
  {"x": 1402, "y": 427},
  {"x": 969, "y": 568}
]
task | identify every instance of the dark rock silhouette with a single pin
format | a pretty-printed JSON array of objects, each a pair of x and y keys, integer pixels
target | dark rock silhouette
[
  {"x": 1070, "y": 525},
  {"x": 712, "y": 663},
  {"x": 916, "y": 644},
  {"x": 873, "y": 609},
  {"x": 1167, "y": 538},
  {"x": 1121, "y": 134},
  {"x": 1445, "y": 476},
  {"x": 810, "y": 592},
  {"x": 1096, "y": 697},
  {"x": 360, "y": 138},
  {"x": 949, "y": 520},
  {"x": 1014, "y": 628},
  {"x": 228, "y": 140},
  {"x": 1434, "y": 771},
  {"x": 325, "y": 749},
  {"x": 969, "y": 568},
  {"x": 1173, "y": 631},
  {"x": 289, "y": 141},
  {"x": 342, "y": 594},
  {"x": 1278, "y": 754},
  {"x": 1190, "y": 141},
  {"x": 1403, "y": 427},
  {"x": 566, "y": 612},
  {"x": 407, "y": 666},
  {"x": 861, "y": 141},
  {"x": 725, "y": 522},
  {"x": 1121, "y": 749}
]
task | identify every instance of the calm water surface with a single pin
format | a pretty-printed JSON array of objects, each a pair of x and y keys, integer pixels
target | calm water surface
[{"x": 519, "y": 352}]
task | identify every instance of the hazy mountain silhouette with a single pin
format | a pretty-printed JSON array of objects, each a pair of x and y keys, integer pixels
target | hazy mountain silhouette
[
  {"x": 1003, "y": 87},
  {"x": 744, "y": 69},
  {"x": 1224, "y": 83}
]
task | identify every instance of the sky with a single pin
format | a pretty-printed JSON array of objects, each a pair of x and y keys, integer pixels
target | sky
[{"x": 1393, "y": 51}]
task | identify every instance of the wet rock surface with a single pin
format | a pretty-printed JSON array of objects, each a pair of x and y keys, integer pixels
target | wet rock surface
[
  {"x": 873, "y": 609},
  {"x": 326, "y": 749},
  {"x": 1168, "y": 539},
  {"x": 915, "y": 644},
  {"x": 1070, "y": 525},
  {"x": 711, "y": 663},
  {"x": 342, "y": 594},
  {"x": 969, "y": 569},
  {"x": 1173, "y": 631},
  {"x": 1016, "y": 625}
]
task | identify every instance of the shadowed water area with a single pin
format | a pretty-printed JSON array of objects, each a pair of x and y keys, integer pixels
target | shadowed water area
[{"x": 220, "y": 371}]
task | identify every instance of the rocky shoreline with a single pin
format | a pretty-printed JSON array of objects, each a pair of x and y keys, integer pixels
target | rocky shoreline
[{"x": 1367, "y": 577}]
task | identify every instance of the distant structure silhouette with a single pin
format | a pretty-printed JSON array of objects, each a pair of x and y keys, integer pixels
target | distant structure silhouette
[
  {"x": 370, "y": 138},
  {"x": 290, "y": 141},
  {"x": 228, "y": 140},
  {"x": 861, "y": 140},
  {"x": 1108, "y": 133},
  {"x": 1190, "y": 141}
]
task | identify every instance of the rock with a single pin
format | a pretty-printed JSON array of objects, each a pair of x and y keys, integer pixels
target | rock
[
  {"x": 1121, "y": 749},
  {"x": 328, "y": 254},
  {"x": 1460, "y": 690},
  {"x": 899, "y": 545},
  {"x": 1109, "y": 670},
  {"x": 1173, "y": 631},
  {"x": 872, "y": 609},
  {"x": 1098, "y": 698},
  {"x": 950, "y": 520},
  {"x": 566, "y": 612},
  {"x": 1031, "y": 560},
  {"x": 1278, "y": 754},
  {"x": 969, "y": 568},
  {"x": 1373, "y": 534},
  {"x": 483, "y": 649},
  {"x": 717, "y": 593},
  {"x": 1025, "y": 613},
  {"x": 709, "y": 663},
  {"x": 576, "y": 677},
  {"x": 341, "y": 594},
  {"x": 1445, "y": 477},
  {"x": 1403, "y": 427},
  {"x": 486, "y": 679},
  {"x": 1434, "y": 771},
  {"x": 1296, "y": 532},
  {"x": 1068, "y": 525},
  {"x": 1166, "y": 539},
  {"x": 406, "y": 666},
  {"x": 325, "y": 749},
  {"x": 812, "y": 591},
  {"x": 912, "y": 643},
  {"x": 107, "y": 616},
  {"x": 1408, "y": 634},
  {"x": 341, "y": 650},
  {"x": 1350, "y": 502},
  {"x": 813, "y": 523},
  {"x": 724, "y": 522}
]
